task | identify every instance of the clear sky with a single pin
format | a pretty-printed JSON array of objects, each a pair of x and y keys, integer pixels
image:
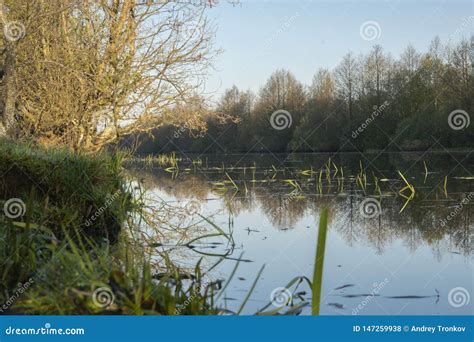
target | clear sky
[{"x": 259, "y": 37}]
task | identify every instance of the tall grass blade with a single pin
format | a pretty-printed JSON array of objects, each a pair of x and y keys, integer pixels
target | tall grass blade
[
  {"x": 230, "y": 278},
  {"x": 251, "y": 290},
  {"x": 319, "y": 262}
]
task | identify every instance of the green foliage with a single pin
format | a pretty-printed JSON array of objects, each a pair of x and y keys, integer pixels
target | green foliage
[
  {"x": 64, "y": 189},
  {"x": 420, "y": 90},
  {"x": 74, "y": 279},
  {"x": 52, "y": 263}
]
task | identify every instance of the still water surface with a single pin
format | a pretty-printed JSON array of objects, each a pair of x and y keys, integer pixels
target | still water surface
[{"x": 401, "y": 256}]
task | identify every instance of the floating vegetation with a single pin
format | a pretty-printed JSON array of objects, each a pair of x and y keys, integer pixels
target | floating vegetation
[
  {"x": 327, "y": 178},
  {"x": 232, "y": 181},
  {"x": 286, "y": 195},
  {"x": 409, "y": 187},
  {"x": 293, "y": 183},
  {"x": 166, "y": 160},
  {"x": 445, "y": 187}
]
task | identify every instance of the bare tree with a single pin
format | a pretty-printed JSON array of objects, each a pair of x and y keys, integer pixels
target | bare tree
[
  {"x": 236, "y": 104},
  {"x": 461, "y": 80},
  {"x": 346, "y": 78},
  {"x": 377, "y": 69},
  {"x": 322, "y": 88},
  {"x": 88, "y": 73},
  {"x": 281, "y": 91},
  {"x": 9, "y": 92},
  {"x": 410, "y": 60}
]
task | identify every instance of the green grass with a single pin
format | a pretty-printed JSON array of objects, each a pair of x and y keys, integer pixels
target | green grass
[
  {"x": 74, "y": 277},
  {"x": 319, "y": 262},
  {"x": 62, "y": 189},
  {"x": 66, "y": 252},
  {"x": 75, "y": 261}
]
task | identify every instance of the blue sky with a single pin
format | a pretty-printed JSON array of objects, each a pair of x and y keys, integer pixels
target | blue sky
[{"x": 259, "y": 37}]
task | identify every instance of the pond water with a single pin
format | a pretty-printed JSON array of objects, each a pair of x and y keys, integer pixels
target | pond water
[{"x": 399, "y": 239}]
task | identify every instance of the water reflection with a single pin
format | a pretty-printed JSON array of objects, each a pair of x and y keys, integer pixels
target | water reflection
[{"x": 272, "y": 203}]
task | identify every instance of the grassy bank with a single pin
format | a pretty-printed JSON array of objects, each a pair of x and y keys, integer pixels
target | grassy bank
[
  {"x": 65, "y": 242},
  {"x": 69, "y": 242},
  {"x": 63, "y": 190}
]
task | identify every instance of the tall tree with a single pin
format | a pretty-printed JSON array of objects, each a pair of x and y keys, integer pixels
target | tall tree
[
  {"x": 378, "y": 71},
  {"x": 278, "y": 110},
  {"x": 321, "y": 125},
  {"x": 345, "y": 75}
]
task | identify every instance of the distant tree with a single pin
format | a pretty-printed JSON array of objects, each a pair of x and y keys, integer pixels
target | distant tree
[
  {"x": 346, "y": 78},
  {"x": 410, "y": 60},
  {"x": 370, "y": 102},
  {"x": 378, "y": 67},
  {"x": 236, "y": 106},
  {"x": 442, "y": 84},
  {"x": 323, "y": 86},
  {"x": 236, "y": 103},
  {"x": 460, "y": 80},
  {"x": 281, "y": 92},
  {"x": 321, "y": 125}
]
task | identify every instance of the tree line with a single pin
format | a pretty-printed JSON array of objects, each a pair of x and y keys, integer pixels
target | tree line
[{"x": 417, "y": 101}]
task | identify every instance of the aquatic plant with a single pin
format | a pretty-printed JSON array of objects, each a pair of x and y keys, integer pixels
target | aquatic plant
[{"x": 319, "y": 263}]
